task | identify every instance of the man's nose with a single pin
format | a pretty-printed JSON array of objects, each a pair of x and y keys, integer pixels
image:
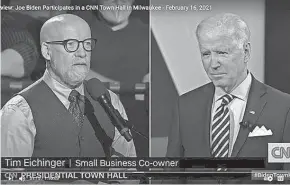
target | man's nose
[
  {"x": 81, "y": 52},
  {"x": 215, "y": 63}
]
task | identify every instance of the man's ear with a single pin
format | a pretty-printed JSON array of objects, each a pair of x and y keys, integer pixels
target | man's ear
[
  {"x": 247, "y": 51},
  {"x": 45, "y": 50}
]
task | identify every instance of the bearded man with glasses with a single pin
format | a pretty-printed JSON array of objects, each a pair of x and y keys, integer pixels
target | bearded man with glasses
[{"x": 53, "y": 117}]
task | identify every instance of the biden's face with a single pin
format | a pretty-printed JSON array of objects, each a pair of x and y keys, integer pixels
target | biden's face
[{"x": 223, "y": 61}]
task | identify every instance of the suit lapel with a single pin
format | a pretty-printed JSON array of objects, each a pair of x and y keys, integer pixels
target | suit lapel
[
  {"x": 209, "y": 93},
  {"x": 255, "y": 104}
]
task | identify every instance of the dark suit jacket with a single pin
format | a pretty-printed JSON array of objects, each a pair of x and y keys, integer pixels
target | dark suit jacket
[{"x": 189, "y": 135}]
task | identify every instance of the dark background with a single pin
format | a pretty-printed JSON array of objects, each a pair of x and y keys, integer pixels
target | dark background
[{"x": 277, "y": 44}]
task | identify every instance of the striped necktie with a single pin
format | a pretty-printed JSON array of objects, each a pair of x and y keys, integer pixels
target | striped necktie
[{"x": 220, "y": 133}]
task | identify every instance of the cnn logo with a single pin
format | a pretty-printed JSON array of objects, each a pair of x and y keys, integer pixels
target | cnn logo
[{"x": 279, "y": 152}]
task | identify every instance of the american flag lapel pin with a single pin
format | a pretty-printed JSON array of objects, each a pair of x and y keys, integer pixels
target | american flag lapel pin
[{"x": 252, "y": 112}]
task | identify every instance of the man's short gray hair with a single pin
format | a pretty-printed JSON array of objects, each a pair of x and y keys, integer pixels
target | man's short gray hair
[{"x": 226, "y": 24}]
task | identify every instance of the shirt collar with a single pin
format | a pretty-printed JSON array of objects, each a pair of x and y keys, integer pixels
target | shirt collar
[
  {"x": 59, "y": 89},
  {"x": 241, "y": 91}
]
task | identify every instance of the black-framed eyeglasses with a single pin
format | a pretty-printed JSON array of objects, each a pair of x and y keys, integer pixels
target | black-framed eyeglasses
[{"x": 71, "y": 45}]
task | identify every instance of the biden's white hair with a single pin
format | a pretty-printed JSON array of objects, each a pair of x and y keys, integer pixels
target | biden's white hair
[{"x": 225, "y": 24}]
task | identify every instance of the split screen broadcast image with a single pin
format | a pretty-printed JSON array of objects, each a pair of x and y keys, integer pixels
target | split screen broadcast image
[{"x": 145, "y": 91}]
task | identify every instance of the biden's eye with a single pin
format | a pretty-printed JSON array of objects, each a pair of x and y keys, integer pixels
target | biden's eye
[
  {"x": 222, "y": 53},
  {"x": 205, "y": 54}
]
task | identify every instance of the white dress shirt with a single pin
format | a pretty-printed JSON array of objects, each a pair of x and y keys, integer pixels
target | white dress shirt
[
  {"x": 18, "y": 129},
  {"x": 236, "y": 108}
]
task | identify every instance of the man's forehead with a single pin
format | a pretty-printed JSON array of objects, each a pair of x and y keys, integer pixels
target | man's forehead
[
  {"x": 67, "y": 31},
  {"x": 223, "y": 42},
  {"x": 226, "y": 48},
  {"x": 216, "y": 37}
]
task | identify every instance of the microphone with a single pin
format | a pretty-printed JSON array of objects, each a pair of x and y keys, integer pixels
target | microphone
[{"x": 99, "y": 93}]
